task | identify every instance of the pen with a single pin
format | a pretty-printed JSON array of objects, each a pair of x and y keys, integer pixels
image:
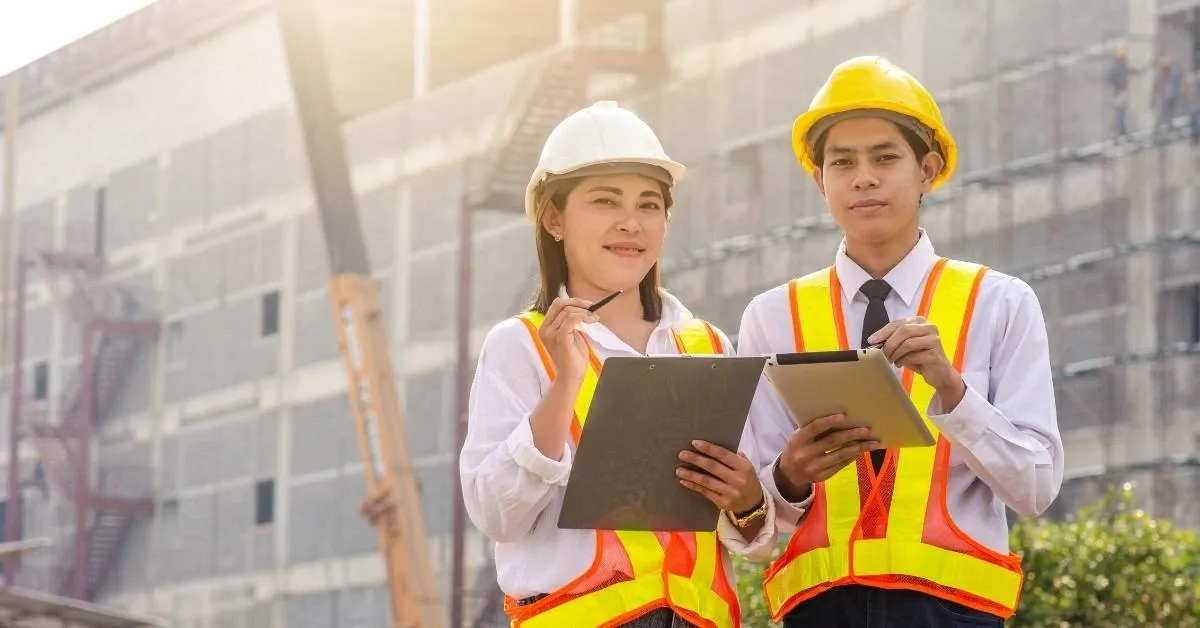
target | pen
[{"x": 603, "y": 302}]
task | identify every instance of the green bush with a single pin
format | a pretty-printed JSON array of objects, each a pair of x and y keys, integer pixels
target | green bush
[
  {"x": 1110, "y": 564},
  {"x": 750, "y": 591}
]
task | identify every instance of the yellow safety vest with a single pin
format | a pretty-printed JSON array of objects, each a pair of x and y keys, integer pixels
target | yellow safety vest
[
  {"x": 893, "y": 530},
  {"x": 635, "y": 572}
]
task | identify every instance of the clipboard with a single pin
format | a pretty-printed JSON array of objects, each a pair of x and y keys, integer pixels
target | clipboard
[
  {"x": 860, "y": 383},
  {"x": 645, "y": 411}
]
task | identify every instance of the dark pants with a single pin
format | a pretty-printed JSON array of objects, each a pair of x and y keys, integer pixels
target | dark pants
[
  {"x": 658, "y": 618},
  {"x": 855, "y": 606}
]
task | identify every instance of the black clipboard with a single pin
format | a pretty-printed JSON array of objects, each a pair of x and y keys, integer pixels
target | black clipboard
[
  {"x": 645, "y": 410},
  {"x": 861, "y": 383}
]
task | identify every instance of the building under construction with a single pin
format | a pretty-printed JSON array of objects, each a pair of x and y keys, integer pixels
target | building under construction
[{"x": 182, "y": 425}]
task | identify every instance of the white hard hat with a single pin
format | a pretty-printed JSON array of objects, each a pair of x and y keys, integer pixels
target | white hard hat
[{"x": 600, "y": 134}]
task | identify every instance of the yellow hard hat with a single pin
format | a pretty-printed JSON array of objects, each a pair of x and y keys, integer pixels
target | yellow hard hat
[{"x": 874, "y": 83}]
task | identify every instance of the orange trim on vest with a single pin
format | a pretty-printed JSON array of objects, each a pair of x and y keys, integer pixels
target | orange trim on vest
[
  {"x": 634, "y": 573},
  {"x": 892, "y": 530}
]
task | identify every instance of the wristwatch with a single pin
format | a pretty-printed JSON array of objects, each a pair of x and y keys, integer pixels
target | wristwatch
[{"x": 744, "y": 520}]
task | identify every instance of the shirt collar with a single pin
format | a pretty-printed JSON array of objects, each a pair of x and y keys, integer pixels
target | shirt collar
[
  {"x": 905, "y": 279},
  {"x": 674, "y": 314}
]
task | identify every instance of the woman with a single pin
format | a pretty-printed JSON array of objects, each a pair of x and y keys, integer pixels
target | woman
[{"x": 599, "y": 200}]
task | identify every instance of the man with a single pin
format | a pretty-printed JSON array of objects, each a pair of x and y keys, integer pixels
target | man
[{"x": 912, "y": 537}]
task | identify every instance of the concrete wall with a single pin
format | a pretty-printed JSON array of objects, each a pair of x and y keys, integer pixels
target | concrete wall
[{"x": 209, "y": 213}]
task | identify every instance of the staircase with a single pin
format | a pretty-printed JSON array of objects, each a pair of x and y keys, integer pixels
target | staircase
[
  {"x": 107, "y": 535},
  {"x": 554, "y": 89},
  {"x": 114, "y": 354},
  {"x": 58, "y": 461},
  {"x": 112, "y": 334}
]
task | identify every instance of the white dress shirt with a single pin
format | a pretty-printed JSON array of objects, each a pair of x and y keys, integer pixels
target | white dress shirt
[
  {"x": 513, "y": 493},
  {"x": 1006, "y": 448}
]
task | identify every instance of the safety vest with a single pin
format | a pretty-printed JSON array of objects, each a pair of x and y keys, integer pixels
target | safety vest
[
  {"x": 891, "y": 531},
  {"x": 635, "y": 572}
]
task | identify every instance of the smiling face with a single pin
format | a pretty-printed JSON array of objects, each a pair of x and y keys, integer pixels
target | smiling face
[
  {"x": 872, "y": 179},
  {"x": 612, "y": 229}
]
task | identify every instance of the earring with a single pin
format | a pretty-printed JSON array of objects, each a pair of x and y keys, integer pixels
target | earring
[{"x": 558, "y": 237}]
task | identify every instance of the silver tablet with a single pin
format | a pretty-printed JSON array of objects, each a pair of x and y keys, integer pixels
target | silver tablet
[{"x": 859, "y": 383}]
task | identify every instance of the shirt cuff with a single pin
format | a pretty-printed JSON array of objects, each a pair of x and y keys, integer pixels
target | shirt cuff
[
  {"x": 763, "y": 544},
  {"x": 528, "y": 457},
  {"x": 787, "y": 513},
  {"x": 966, "y": 424}
]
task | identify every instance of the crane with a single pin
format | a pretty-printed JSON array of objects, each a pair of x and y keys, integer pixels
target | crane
[{"x": 393, "y": 504}]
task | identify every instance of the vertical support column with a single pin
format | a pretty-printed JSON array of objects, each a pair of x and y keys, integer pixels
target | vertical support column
[
  {"x": 567, "y": 23},
  {"x": 401, "y": 276},
  {"x": 1143, "y": 39},
  {"x": 283, "y": 446},
  {"x": 421, "y": 47},
  {"x": 14, "y": 510},
  {"x": 8, "y": 217},
  {"x": 1142, "y": 268},
  {"x": 8, "y": 254},
  {"x": 81, "y": 434},
  {"x": 912, "y": 33},
  {"x": 717, "y": 161},
  {"x": 161, "y": 423},
  {"x": 466, "y": 244}
]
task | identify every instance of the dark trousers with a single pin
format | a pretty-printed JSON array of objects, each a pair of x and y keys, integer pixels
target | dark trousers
[
  {"x": 658, "y": 618},
  {"x": 855, "y": 606}
]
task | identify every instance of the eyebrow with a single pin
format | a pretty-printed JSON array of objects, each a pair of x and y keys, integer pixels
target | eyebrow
[
  {"x": 619, "y": 192},
  {"x": 844, "y": 150}
]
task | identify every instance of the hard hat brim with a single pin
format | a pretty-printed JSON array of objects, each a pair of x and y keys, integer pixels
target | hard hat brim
[
  {"x": 805, "y": 122},
  {"x": 675, "y": 169}
]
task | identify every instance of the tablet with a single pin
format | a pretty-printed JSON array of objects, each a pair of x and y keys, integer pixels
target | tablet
[
  {"x": 860, "y": 383},
  {"x": 645, "y": 411}
]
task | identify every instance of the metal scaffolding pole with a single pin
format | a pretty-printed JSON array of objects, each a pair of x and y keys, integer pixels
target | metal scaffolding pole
[{"x": 8, "y": 254}]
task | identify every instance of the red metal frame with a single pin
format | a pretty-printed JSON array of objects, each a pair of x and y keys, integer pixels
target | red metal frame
[{"x": 103, "y": 512}]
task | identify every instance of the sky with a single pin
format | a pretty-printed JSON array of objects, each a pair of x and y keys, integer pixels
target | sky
[{"x": 31, "y": 29}]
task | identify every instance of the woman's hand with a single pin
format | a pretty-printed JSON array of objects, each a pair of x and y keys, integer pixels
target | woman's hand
[
  {"x": 564, "y": 343},
  {"x": 730, "y": 482}
]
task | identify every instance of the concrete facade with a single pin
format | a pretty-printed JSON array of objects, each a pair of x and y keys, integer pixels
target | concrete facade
[{"x": 210, "y": 216}]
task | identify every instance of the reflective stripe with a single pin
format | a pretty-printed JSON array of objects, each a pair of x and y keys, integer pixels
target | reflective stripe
[
  {"x": 805, "y": 571},
  {"x": 695, "y": 592},
  {"x": 691, "y": 594},
  {"x": 819, "y": 328}
]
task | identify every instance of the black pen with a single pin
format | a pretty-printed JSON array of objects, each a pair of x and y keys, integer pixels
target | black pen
[{"x": 603, "y": 302}]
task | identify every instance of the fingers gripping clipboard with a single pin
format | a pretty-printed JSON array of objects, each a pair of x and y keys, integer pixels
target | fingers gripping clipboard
[
  {"x": 859, "y": 383},
  {"x": 645, "y": 411}
]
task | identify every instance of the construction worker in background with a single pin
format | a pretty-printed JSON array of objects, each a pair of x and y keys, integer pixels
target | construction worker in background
[
  {"x": 1118, "y": 81},
  {"x": 1165, "y": 96},
  {"x": 912, "y": 537},
  {"x": 599, "y": 200}
]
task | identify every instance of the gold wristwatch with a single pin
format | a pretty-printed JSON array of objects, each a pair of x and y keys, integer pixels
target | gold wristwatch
[{"x": 748, "y": 518}]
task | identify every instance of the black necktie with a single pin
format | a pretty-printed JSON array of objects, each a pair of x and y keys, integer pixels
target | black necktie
[{"x": 876, "y": 290}]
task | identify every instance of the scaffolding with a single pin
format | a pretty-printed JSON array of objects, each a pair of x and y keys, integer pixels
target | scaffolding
[{"x": 105, "y": 499}]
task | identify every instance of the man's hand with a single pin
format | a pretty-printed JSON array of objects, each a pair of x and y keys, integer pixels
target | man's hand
[
  {"x": 817, "y": 451},
  {"x": 915, "y": 344},
  {"x": 731, "y": 482}
]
